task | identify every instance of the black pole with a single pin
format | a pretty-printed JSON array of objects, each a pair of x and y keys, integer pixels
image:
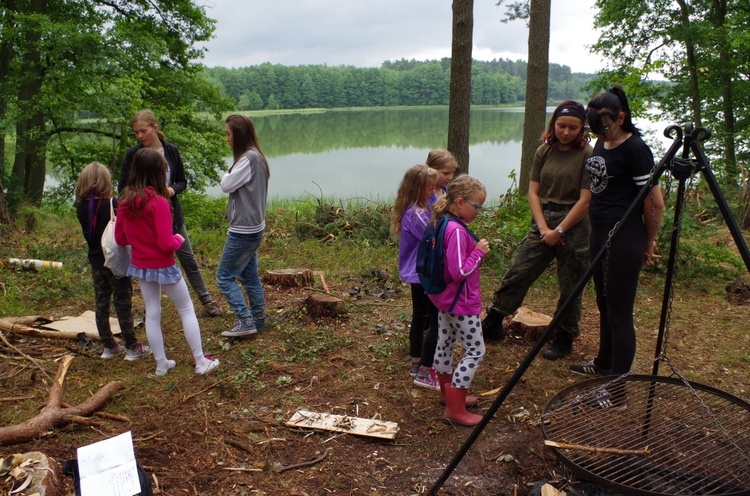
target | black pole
[
  {"x": 681, "y": 169},
  {"x": 526, "y": 363}
]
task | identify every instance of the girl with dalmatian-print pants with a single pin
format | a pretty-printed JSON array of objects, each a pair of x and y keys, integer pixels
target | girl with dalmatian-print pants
[{"x": 460, "y": 304}]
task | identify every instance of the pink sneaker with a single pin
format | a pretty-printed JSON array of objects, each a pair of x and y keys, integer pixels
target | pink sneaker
[{"x": 427, "y": 379}]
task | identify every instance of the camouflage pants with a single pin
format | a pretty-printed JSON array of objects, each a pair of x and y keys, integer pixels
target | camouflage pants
[
  {"x": 532, "y": 257},
  {"x": 105, "y": 286}
]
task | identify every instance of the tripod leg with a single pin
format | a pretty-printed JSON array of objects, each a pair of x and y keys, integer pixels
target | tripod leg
[{"x": 713, "y": 185}]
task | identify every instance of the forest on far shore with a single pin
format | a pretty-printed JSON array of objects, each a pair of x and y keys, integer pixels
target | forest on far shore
[{"x": 398, "y": 83}]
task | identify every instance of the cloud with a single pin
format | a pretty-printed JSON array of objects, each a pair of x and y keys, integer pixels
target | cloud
[{"x": 365, "y": 34}]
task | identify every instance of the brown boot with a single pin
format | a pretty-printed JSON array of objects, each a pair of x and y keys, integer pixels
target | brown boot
[
  {"x": 455, "y": 408},
  {"x": 211, "y": 309},
  {"x": 444, "y": 379}
]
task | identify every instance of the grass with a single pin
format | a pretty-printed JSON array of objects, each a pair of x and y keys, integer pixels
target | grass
[{"x": 354, "y": 364}]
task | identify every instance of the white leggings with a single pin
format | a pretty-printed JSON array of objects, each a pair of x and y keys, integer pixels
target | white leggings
[{"x": 180, "y": 296}]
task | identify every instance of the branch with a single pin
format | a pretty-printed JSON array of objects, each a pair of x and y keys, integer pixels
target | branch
[
  {"x": 54, "y": 415},
  {"x": 594, "y": 449},
  {"x": 90, "y": 130}
]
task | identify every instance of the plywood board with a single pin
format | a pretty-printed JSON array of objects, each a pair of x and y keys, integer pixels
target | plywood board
[
  {"x": 343, "y": 423},
  {"x": 86, "y": 322}
]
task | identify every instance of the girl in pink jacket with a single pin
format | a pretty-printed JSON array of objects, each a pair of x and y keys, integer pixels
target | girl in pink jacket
[
  {"x": 460, "y": 304},
  {"x": 144, "y": 222}
]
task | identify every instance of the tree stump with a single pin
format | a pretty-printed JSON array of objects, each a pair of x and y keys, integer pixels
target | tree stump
[
  {"x": 527, "y": 324},
  {"x": 289, "y": 278},
  {"x": 42, "y": 474},
  {"x": 324, "y": 305}
]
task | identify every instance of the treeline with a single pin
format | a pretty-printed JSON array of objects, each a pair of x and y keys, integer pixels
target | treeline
[{"x": 402, "y": 82}]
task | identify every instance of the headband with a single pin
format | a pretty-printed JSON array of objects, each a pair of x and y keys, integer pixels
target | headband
[{"x": 571, "y": 111}]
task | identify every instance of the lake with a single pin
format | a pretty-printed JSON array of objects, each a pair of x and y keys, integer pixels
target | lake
[{"x": 363, "y": 154}]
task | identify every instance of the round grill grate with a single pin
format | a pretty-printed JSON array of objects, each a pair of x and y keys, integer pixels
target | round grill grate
[{"x": 671, "y": 437}]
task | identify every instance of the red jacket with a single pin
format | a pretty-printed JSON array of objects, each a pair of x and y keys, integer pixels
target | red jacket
[{"x": 150, "y": 236}]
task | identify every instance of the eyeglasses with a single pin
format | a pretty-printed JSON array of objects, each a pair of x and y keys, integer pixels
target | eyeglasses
[{"x": 478, "y": 206}]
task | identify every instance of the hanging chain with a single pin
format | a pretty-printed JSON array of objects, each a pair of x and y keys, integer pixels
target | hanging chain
[
  {"x": 677, "y": 231},
  {"x": 708, "y": 410},
  {"x": 606, "y": 258}
]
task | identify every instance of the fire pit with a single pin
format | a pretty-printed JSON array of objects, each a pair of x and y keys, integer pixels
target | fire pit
[{"x": 667, "y": 436}]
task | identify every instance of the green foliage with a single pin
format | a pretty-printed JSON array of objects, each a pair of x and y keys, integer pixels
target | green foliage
[
  {"x": 308, "y": 345},
  {"x": 253, "y": 366},
  {"x": 74, "y": 97},
  {"x": 203, "y": 212},
  {"x": 50, "y": 235},
  {"x": 696, "y": 47},
  {"x": 398, "y": 83},
  {"x": 368, "y": 223},
  {"x": 504, "y": 228},
  {"x": 705, "y": 247},
  {"x": 707, "y": 252}
]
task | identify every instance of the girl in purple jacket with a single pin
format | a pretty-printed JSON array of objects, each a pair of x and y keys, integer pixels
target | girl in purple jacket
[
  {"x": 411, "y": 213},
  {"x": 460, "y": 304}
]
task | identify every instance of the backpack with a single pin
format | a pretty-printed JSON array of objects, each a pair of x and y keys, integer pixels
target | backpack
[
  {"x": 430, "y": 257},
  {"x": 70, "y": 468}
]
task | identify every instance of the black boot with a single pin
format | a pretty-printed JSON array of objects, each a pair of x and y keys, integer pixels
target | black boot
[
  {"x": 492, "y": 326},
  {"x": 561, "y": 347}
]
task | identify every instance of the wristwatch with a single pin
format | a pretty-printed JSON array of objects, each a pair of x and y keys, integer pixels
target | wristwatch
[{"x": 560, "y": 230}]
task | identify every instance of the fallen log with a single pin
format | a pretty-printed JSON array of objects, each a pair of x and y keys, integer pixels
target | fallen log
[
  {"x": 54, "y": 415},
  {"x": 28, "y": 320},
  {"x": 16, "y": 328}
]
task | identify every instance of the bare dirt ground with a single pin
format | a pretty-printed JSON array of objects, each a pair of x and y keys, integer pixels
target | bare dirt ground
[{"x": 224, "y": 434}]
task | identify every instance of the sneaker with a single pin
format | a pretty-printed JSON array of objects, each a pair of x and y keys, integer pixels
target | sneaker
[
  {"x": 427, "y": 379},
  {"x": 170, "y": 364},
  {"x": 211, "y": 309},
  {"x": 113, "y": 352},
  {"x": 209, "y": 365},
  {"x": 414, "y": 370},
  {"x": 492, "y": 326},
  {"x": 241, "y": 328},
  {"x": 138, "y": 351},
  {"x": 588, "y": 369},
  {"x": 260, "y": 324},
  {"x": 604, "y": 400}
]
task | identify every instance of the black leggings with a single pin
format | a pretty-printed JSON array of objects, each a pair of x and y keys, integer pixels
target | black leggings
[
  {"x": 423, "y": 332},
  {"x": 616, "y": 282}
]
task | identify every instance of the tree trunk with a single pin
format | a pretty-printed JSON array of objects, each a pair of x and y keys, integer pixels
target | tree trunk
[
  {"x": 4, "y": 215},
  {"x": 537, "y": 73},
  {"x": 692, "y": 66},
  {"x": 31, "y": 143},
  {"x": 459, "y": 110},
  {"x": 726, "y": 64},
  {"x": 6, "y": 54}
]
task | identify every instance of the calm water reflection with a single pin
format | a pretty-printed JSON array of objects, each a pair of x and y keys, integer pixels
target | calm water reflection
[
  {"x": 347, "y": 154},
  {"x": 364, "y": 153}
]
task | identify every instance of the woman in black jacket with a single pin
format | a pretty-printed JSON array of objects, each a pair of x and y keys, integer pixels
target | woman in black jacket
[{"x": 146, "y": 129}]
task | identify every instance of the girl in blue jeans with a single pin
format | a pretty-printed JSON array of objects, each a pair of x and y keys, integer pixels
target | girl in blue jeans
[{"x": 246, "y": 181}]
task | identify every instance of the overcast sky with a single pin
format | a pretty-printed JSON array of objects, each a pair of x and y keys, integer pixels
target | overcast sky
[{"x": 365, "y": 33}]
